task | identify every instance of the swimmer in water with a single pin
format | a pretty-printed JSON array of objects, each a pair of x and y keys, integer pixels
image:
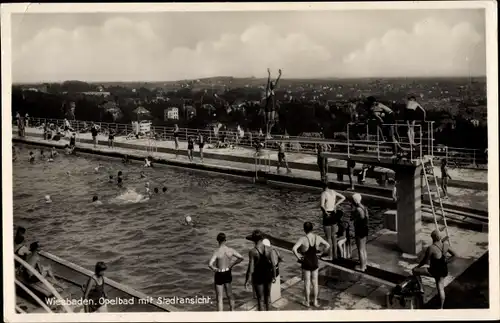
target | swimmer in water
[
  {"x": 147, "y": 163},
  {"x": 110, "y": 179},
  {"x": 156, "y": 190},
  {"x": 53, "y": 153},
  {"x": 119, "y": 182},
  {"x": 142, "y": 174},
  {"x": 148, "y": 192},
  {"x": 97, "y": 168},
  {"x": 164, "y": 189},
  {"x": 95, "y": 200},
  {"x": 32, "y": 157},
  {"x": 48, "y": 200},
  {"x": 188, "y": 220},
  {"x": 42, "y": 155}
]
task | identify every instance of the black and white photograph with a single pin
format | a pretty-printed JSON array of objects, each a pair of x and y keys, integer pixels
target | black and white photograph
[{"x": 171, "y": 161}]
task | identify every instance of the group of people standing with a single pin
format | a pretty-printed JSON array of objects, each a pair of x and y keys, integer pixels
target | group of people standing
[
  {"x": 264, "y": 260},
  {"x": 200, "y": 140},
  {"x": 262, "y": 271}
]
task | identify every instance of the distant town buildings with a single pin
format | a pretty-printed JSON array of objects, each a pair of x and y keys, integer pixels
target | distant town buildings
[
  {"x": 97, "y": 93},
  {"x": 171, "y": 113}
]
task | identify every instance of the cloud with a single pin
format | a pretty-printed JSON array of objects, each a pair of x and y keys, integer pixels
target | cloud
[
  {"x": 129, "y": 50},
  {"x": 431, "y": 48}
]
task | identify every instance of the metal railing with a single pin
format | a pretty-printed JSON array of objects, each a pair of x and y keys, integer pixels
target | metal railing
[
  {"x": 457, "y": 157},
  {"x": 45, "y": 282},
  {"x": 394, "y": 143}
]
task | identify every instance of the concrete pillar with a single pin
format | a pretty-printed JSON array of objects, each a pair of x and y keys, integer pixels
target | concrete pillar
[{"x": 409, "y": 217}]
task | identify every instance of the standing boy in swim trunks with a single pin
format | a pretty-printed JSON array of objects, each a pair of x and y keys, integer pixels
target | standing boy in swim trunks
[
  {"x": 221, "y": 265},
  {"x": 309, "y": 245},
  {"x": 322, "y": 164},
  {"x": 329, "y": 202},
  {"x": 350, "y": 173},
  {"x": 190, "y": 148},
  {"x": 282, "y": 158},
  {"x": 434, "y": 264},
  {"x": 444, "y": 177}
]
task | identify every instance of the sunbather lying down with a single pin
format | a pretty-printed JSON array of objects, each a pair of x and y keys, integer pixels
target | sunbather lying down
[{"x": 132, "y": 135}]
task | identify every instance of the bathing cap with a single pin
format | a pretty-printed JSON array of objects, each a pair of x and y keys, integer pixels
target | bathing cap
[
  {"x": 266, "y": 242},
  {"x": 356, "y": 198},
  {"x": 188, "y": 219}
]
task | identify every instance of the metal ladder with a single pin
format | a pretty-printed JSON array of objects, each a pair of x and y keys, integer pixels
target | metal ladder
[{"x": 431, "y": 200}]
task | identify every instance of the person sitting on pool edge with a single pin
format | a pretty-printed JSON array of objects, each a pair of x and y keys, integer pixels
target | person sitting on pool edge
[
  {"x": 434, "y": 263},
  {"x": 34, "y": 261}
]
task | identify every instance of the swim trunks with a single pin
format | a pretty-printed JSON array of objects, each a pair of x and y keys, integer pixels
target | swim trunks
[
  {"x": 330, "y": 219},
  {"x": 224, "y": 277},
  {"x": 201, "y": 145},
  {"x": 281, "y": 156}
]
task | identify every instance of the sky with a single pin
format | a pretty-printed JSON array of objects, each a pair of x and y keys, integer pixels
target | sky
[{"x": 166, "y": 46}]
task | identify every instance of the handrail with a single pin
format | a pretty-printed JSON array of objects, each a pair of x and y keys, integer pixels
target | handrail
[
  {"x": 44, "y": 281},
  {"x": 108, "y": 281},
  {"x": 33, "y": 295},
  {"x": 20, "y": 310}
]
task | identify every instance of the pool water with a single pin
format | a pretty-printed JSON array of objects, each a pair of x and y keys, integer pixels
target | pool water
[{"x": 147, "y": 245}]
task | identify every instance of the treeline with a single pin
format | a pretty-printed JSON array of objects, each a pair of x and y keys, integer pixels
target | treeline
[{"x": 453, "y": 128}]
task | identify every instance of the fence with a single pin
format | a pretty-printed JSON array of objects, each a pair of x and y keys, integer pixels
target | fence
[{"x": 457, "y": 157}]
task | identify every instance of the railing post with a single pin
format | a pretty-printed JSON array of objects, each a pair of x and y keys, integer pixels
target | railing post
[
  {"x": 446, "y": 153},
  {"x": 421, "y": 139},
  {"x": 474, "y": 158},
  {"x": 367, "y": 131},
  {"x": 348, "y": 146},
  {"x": 378, "y": 147}
]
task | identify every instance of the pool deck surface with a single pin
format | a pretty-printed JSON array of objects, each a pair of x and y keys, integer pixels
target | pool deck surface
[{"x": 341, "y": 288}]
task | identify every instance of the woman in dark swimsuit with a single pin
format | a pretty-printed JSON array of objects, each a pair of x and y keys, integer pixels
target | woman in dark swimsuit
[
  {"x": 261, "y": 270},
  {"x": 201, "y": 144},
  {"x": 190, "y": 148},
  {"x": 94, "y": 291},
  {"x": 435, "y": 257},
  {"x": 176, "y": 138},
  {"x": 309, "y": 261},
  {"x": 360, "y": 215}
]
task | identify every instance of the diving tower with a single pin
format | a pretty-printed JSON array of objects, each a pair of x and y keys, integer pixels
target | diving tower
[{"x": 407, "y": 164}]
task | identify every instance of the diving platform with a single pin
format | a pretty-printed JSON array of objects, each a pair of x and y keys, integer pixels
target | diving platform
[{"x": 407, "y": 164}]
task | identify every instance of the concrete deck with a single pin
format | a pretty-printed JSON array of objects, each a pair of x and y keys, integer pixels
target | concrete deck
[
  {"x": 383, "y": 253},
  {"x": 344, "y": 289},
  {"x": 338, "y": 290}
]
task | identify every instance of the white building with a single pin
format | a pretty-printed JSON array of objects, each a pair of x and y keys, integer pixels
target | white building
[{"x": 171, "y": 113}]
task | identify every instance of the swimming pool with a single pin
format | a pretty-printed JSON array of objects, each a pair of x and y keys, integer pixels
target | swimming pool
[{"x": 146, "y": 245}]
